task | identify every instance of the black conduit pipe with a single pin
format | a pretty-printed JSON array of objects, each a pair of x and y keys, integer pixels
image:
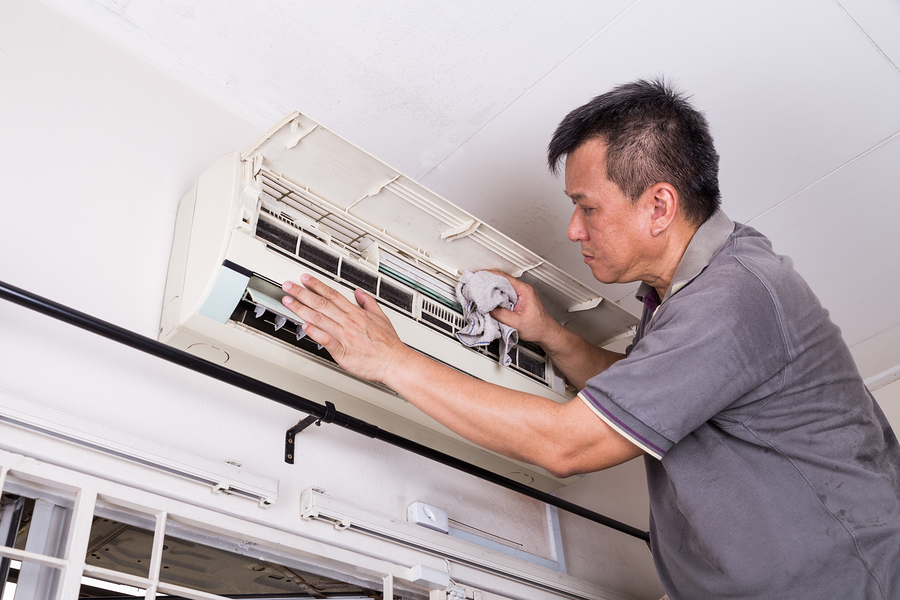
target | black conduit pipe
[{"x": 179, "y": 357}]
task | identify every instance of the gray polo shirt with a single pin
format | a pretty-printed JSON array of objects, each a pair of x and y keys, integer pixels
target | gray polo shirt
[{"x": 772, "y": 471}]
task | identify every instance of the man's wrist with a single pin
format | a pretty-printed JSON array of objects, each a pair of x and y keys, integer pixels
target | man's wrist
[
  {"x": 398, "y": 364},
  {"x": 554, "y": 342}
]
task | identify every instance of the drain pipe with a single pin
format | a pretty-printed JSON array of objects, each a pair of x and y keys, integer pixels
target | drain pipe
[{"x": 319, "y": 412}]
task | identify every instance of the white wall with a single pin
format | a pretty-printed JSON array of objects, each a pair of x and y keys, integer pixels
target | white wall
[{"x": 97, "y": 148}]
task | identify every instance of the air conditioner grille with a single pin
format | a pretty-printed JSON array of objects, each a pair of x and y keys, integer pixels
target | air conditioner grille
[
  {"x": 532, "y": 365},
  {"x": 359, "y": 277},
  {"x": 276, "y": 235},
  {"x": 427, "y": 298},
  {"x": 442, "y": 325},
  {"x": 395, "y": 296},
  {"x": 342, "y": 231},
  {"x": 319, "y": 256},
  {"x": 442, "y": 317},
  {"x": 535, "y": 348}
]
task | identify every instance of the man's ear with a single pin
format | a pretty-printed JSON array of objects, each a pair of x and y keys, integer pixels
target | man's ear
[{"x": 663, "y": 198}]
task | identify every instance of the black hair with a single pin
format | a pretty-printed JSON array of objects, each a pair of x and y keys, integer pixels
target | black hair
[{"x": 652, "y": 135}]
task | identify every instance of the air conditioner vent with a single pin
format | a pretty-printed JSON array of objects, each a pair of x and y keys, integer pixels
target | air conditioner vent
[
  {"x": 446, "y": 320},
  {"x": 318, "y": 256},
  {"x": 275, "y": 326},
  {"x": 342, "y": 231},
  {"x": 359, "y": 277},
  {"x": 532, "y": 365},
  {"x": 276, "y": 235},
  {"x": 267, "y": 323},
  {"x": 395, "y": 296}
]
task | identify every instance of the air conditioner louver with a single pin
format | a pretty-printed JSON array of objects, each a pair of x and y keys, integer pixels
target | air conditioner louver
[{"x": 325, "y": 207}]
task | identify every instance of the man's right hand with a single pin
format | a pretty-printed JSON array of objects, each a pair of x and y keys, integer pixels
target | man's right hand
[
  {"x": 528, "y": 316},
  {"x": 577, "y": 358}
]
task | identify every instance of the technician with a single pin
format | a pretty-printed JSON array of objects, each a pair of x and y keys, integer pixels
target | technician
[{"x": 771, "y": 469}]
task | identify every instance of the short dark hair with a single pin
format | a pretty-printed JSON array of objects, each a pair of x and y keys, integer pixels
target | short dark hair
[{"x": 652, "y": 135}]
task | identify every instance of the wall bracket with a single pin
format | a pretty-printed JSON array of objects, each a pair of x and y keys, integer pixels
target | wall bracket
[{"x": 328, "y": 417}]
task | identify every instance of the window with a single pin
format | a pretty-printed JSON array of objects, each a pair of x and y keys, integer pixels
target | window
[{"x": 135, "y": 552}]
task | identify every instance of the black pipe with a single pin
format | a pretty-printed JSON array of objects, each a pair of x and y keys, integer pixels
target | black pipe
[{"x": 179, "y": 357}]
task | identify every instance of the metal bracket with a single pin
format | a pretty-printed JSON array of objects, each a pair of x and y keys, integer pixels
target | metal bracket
[{"x": 328, "y": 417}]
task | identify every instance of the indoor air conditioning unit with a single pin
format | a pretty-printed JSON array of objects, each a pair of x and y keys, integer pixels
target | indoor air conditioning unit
[{"x": 304, "y": 200}]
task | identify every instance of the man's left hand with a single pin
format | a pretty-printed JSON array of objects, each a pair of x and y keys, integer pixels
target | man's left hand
[{"x": 360, "y": 338}]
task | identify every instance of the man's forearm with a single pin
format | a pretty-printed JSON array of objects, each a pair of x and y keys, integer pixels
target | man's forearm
[
  {"x": 562, "y": 438},
  {"x": 577, "y": 358}
]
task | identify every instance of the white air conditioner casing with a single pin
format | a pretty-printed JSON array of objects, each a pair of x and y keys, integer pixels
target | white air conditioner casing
[{"x": 303, "y": 199}]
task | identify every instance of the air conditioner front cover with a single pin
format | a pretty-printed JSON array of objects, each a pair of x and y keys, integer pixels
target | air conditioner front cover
[{"x": 304, "y": 200}]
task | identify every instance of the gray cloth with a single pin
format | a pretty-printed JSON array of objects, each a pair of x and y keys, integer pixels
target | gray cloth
[
  {"x": 479, "y": 293},
  {"x": 774, "y": 473}
]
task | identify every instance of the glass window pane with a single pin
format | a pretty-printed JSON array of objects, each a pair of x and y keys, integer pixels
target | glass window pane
[
  {"x": 31, "y": 580},
  {"x": 118, "y": 546},
  {"x": 35, "y": 525},
  {"x": 217, "y": 571}
]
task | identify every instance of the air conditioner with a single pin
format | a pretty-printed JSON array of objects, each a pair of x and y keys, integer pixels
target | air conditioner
[{"x": 304, "y": 200}]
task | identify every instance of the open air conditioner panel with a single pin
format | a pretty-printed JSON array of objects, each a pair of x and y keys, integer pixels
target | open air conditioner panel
[{"x": 304, "y": 200}]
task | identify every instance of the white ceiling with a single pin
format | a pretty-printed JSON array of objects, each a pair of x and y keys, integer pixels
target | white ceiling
[{"x": 803, "y": 98}]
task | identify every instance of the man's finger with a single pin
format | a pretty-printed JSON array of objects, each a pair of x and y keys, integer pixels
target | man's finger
[
  {"x": 317, "y": 296},
  {"x": 316, "y": 325},
  {"x": 320, "y": 336},
  {"x": 500, "y": 312},
  {"x": 367, "y": 302},
  {"x": 326, "y": 291},
  {"x": 306, "y": 312}
]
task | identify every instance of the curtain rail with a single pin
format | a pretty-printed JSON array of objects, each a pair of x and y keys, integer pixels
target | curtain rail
[{"x": 179, "y": 357}]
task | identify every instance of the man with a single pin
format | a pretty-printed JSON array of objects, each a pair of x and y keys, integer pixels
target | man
[{"x": 772, "y": 471}]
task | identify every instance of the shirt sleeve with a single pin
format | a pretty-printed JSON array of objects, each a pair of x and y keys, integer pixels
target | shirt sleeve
[{"x": 713, "y": 348}]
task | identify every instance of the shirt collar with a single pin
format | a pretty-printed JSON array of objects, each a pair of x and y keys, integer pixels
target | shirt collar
[{"x": 708, "y": 238}]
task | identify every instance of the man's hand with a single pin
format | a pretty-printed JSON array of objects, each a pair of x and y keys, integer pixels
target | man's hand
[
  {"x": 577, "y": 358},
  {"x": 360, "y": 338},
  {"x": 528, "y": 316}
]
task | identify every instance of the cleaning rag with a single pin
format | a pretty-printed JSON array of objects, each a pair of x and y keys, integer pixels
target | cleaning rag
[{"x": 479, "y": 293}]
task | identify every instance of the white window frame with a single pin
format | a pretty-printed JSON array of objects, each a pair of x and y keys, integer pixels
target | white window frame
[{"x": 87, "y": 493}]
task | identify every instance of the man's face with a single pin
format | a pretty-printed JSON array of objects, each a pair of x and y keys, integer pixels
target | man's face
[{"x": 611, "y": 229}]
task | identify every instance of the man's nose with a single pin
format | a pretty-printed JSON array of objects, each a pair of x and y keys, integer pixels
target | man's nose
[{"x": 576, "y": 227}]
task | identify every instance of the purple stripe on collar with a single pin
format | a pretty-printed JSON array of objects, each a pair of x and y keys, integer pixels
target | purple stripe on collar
[
  {"x": 651, "y": 300},
  {"x": 623, "y": 426}
]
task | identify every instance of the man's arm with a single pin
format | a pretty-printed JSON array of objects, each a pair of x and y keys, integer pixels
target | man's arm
[
  {"x": 577, "y": 358},
  {"x": 564, "y": 439}
]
